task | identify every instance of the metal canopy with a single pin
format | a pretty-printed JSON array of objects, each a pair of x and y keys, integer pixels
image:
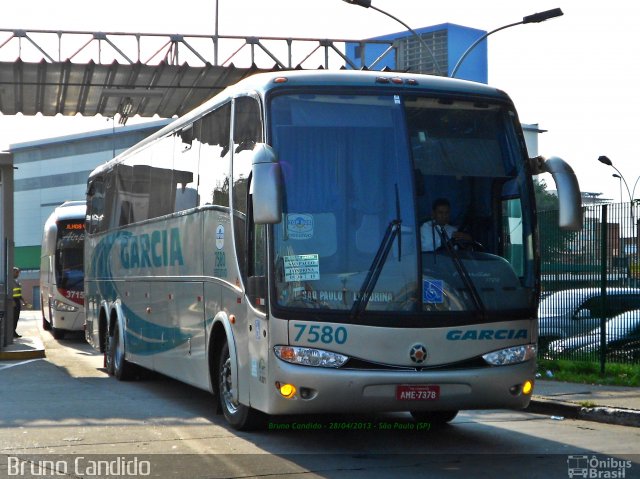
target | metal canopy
[
  {"x": 90, "y": 89},
  {"x": 127, "y": 74}
]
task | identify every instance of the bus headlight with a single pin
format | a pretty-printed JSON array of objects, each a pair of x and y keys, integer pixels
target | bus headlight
[
  {"x": 60, "y": 306},
  {"x": 514, "y": 355},
  {"x": 310, "y": 356}
]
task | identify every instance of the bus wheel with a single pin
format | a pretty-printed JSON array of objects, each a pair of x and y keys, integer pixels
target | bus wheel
[
  {"x": 115, "y": 362},
  {"x": 435, "y": 418},
  {"x": 57, "y": 333},
  {"x": 238, "y": 415}
]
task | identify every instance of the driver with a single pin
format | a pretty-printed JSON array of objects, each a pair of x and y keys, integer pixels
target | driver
[{"x": 432, "y": 231}]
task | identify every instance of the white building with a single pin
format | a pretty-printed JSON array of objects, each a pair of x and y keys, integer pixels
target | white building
[{"x": 51, "y": 171}]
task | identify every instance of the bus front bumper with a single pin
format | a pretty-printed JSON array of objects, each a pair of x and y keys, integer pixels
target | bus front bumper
[{"x": 321, "y": 390}]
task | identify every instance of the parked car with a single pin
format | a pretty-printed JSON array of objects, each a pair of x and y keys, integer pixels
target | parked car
[
  {"x": 627, "y": 353},
  {"x": 576, "y": 311},
  {"x": 620, "y": 331}
]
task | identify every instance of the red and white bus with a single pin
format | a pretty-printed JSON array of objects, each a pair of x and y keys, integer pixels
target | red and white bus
[{"x": 62, "y": 269}]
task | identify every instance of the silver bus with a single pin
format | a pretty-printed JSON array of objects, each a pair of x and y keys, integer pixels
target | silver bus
[{"x": 267, "y": 247}]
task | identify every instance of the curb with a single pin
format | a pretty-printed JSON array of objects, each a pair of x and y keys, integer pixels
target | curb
[
  {"x": 27, "y": 348},
  {"x": 603, "y": 414},
  {"x": 22, "y": 354}
]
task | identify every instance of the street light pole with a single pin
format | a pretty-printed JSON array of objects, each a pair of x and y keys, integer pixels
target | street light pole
[
  {"x": 616, "y": 175},
  {"x": 606, "y": 161},
  {"x": 215, "y": 44},
  {"x": 367, "y": 4},
  {"x": 633, "y": 191},
  {"x": 535, "y": 18}
]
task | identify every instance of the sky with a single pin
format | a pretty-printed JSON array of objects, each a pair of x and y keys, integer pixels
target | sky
[{"x": 576, "y": 75}]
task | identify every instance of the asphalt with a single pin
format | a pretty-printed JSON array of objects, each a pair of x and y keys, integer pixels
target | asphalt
[{"x": 560, "y": 400}]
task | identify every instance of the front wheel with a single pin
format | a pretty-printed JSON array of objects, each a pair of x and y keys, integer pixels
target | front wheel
[
  {"x": 57, "y": 332},
  {"x": 435, "y": 418},
  {"x": 238, "y": 415}
]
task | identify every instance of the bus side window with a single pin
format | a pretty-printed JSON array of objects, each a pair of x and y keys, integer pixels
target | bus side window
[
  {"x": 95, "y": 205},
  {"x": 247, "y": 125},
  {"x": 257, "y": 261},
  {"x": 186, "y": 157},
  {"x": 162, "y": 178},
  {"x": 99, "y": 202},
  {"x": 212, "y": 134},
  {"x": 247, "y": 131}
]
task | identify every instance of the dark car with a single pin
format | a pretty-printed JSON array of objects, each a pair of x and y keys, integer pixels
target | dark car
[
  {"x": 627, "y": 352},
  {"x": 577, "y": 311},
  {"x": 619, "y": 332}
]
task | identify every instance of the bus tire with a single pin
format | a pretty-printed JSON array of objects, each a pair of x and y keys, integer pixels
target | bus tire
[
  {"x": 45, "y": 324},
  {"x": 115, "y": 362},
  {"x": 239, "y": 416},
  {"x": 435, "y": 418},
  {"x": 57, "y": 332}
]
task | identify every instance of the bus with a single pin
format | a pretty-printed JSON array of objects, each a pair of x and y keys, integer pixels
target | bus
[
  {"x": 266, "y": 247},
  {"x": 62, "y": 269}
]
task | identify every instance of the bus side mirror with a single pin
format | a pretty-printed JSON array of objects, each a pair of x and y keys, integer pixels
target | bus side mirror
[
  {"x": 570, "y": 200},
  {"x": 266, "y": 185}
]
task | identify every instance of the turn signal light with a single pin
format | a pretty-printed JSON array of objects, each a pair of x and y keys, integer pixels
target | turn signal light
[{"x": 287, "y": 390}]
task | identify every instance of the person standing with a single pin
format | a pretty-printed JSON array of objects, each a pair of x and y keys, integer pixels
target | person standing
[{"x": 18, "y": 301}]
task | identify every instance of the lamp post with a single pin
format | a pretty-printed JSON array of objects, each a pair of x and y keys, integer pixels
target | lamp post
[
  {"x": 215, "y": 31},
  {"x": 616, "y": 175},
  {"x": 535, "y": 18},
  {"x": 633, "y": 190},
  {"x": 367, "y": 4},
  {"x": 606, "y": 161}
]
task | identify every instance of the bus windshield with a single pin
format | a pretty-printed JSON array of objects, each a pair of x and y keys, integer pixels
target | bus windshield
[
  {"x": 69, "y": 255},
  {"x": 361, "y": 174}
]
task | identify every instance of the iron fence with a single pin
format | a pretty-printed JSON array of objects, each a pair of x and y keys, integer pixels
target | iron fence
[{"x": 590, "y": 307}]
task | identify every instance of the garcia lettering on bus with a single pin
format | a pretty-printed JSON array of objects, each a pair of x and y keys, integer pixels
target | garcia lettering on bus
[
  {"x": 159, "y": 248},
  {"x": 482, "y": 334}
]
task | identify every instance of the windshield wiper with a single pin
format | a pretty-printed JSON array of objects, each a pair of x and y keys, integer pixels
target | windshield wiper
[
  {"x": 462, "y": 271},
  {"x": 379, "y": 260}
]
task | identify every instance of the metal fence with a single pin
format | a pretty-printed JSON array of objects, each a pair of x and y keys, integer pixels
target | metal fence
[{"x": 590, "y": 308}]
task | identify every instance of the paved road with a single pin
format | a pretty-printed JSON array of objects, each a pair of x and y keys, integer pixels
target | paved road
[{"x": 66, "y": 407}]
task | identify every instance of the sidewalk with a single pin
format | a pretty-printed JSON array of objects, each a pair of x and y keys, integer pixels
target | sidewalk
[
  {"x": 30, "y": 345},
  {"x": 609, "y": 404},
  {"x": 591, "y": 402}
]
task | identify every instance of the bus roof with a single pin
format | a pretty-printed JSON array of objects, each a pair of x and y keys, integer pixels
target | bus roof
[
  {"x": 362, "y": 78},
  {"x": 264, "y": 82},
  {"x": 70, "y": 210}
]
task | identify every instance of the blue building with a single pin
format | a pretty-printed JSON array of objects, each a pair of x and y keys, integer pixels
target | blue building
[{"x": 447, "y": 43}]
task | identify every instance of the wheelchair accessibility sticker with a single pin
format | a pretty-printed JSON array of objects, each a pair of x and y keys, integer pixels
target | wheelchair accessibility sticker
[{"x": 432, "y": 291}]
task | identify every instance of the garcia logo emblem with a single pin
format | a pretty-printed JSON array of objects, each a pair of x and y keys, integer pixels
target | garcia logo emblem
[{"x": 418, "y": 353}]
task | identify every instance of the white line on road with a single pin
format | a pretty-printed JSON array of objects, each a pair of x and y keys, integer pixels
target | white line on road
[{"x": 19, "y": 364}]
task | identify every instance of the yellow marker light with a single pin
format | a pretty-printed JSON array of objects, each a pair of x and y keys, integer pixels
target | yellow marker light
[
  {"x": 288, "y": 390},
  {"x": 527, "y": 387}
]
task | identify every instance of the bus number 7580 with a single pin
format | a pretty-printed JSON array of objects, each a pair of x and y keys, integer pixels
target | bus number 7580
[{"x": 325, "y": 334}]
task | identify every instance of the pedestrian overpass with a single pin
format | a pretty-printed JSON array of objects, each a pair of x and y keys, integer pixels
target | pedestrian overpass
[{"x": 126, "y": 74}]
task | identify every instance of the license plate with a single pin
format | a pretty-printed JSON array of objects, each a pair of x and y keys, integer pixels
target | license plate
[{"x": 417, "y": 392}]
